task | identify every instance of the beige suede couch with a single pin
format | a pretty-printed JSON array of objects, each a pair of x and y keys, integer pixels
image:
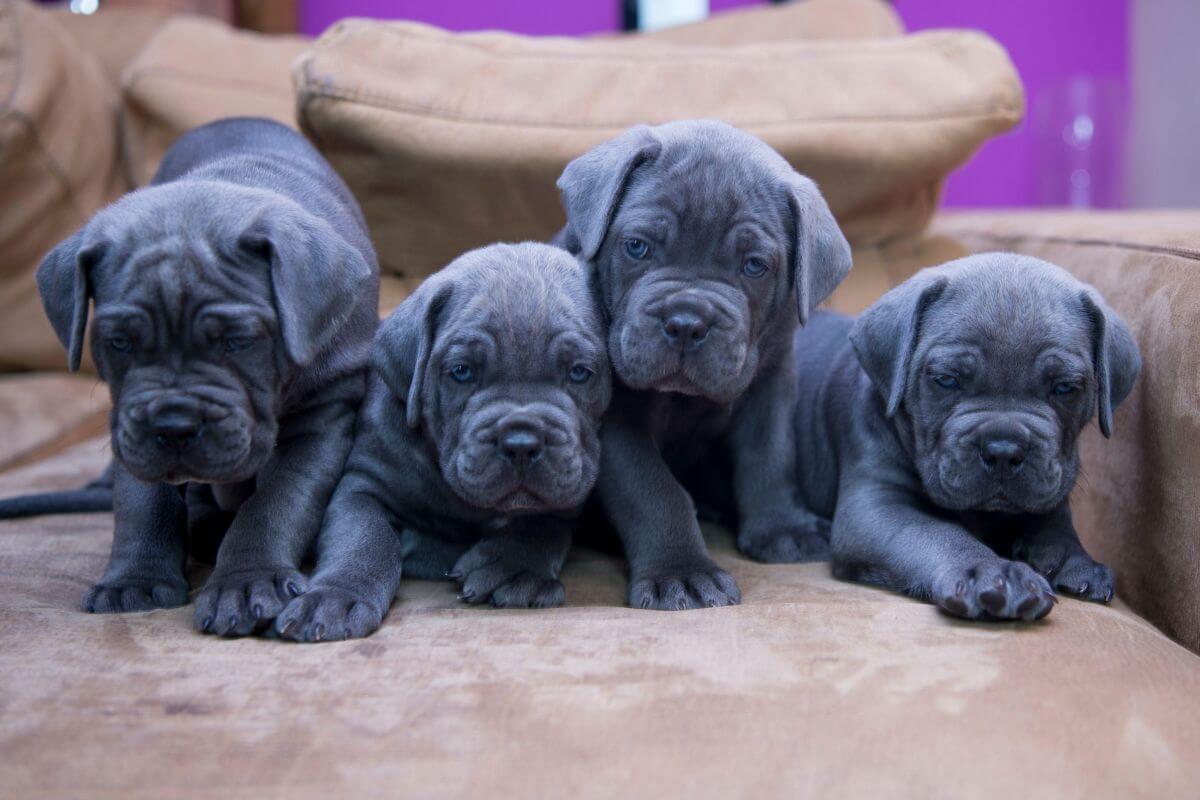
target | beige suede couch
[{"x": 810, "y": 687}]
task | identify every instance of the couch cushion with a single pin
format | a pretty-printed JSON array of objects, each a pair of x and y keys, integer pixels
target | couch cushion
[
  {"x": 58, "y": 165},
  {"x": 453, "y": 141},
  {"x": 810, "y": 688},
  {"x": 197, "y": 70},
  {"x": 113, "y": 35},
  {"x": 811, "y": 19},
  {"x": 1136, "y": 505},
  {"x": 42, "y": 413}
]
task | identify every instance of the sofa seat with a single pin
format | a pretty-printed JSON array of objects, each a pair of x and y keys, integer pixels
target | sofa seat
[{"x": 811, "y": 687}]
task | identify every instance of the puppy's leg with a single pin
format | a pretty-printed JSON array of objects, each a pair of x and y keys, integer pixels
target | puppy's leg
[
  {"x": 358, "y": 569},
  {"x": 774, "y": 526},
  {"x": 669, "y": 566},
  {"x": 884, "y": 535},
  {"x": 517, "y": 567},
  {"x": 145, "y": 569},
  {"x": 258, "y": 565},
  {"x": 1050, "y": 545}
]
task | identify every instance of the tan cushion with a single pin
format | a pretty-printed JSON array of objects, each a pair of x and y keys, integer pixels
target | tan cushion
[
  {"x": 810, "y": 688},
  {"x": 113, "y": 35},
  {"x": 197, "y": 70},
  {"x": 453, "y": 141},
  {"x": 1136, "y": 505},
  {"x": 42, "y": 413},
  {"x": 810, "y": 19},
  {"x": 58, "y": 165}
]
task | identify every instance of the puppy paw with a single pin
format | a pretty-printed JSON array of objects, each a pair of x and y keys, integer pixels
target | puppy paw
[
  {"x": 800, "y": 540},
  {"x": 994, "y": 590},
  {"x": 702, "y": 586},
  {"x": 136, "y": 594},
  {"x": 328, "y": 614},
  {"x": 237, "y": 603},
  {"x": 487, "y": 573},
  {"x": 1084, "y": 578}
]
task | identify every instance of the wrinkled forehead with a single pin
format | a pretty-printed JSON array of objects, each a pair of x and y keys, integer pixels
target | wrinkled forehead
[
  {"x": 522, "y": 320},
  {"x": 1010, "y": 323},
  {"x": 706, "y": 186},
  {"x": 173, "y": 278}
]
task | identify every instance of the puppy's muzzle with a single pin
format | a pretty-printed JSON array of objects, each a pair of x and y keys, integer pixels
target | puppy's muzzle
[
  {"x": 686, "y": 323},
  {"x": 175, "y": 422},
  {"x": 521, "y": 442},
  {"x": 1002, "y": 450}
]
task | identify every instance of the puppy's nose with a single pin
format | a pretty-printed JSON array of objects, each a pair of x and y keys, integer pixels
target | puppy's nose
[
  {"x": 685, "y": 330},
  {"x": 1002, "y": 457},
  {"x": 176, "y": 423},
  {"x": 521, "y": 445}
]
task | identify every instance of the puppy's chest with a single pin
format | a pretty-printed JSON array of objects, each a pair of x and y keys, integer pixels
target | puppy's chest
[{"x": 687, "y": 427}]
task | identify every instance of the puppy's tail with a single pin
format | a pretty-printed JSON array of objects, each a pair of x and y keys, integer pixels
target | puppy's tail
[{"x": 95, "y": 496}]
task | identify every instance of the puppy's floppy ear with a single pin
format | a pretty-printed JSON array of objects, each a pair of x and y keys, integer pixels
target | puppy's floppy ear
[
  {"x": 1116, "y": 357},
  {"x": 316, "y": 275},
  {"x": 820, "y": 252},
  {"x": 886, "y": 334},
  {"x": 65, "y": 285},
  {"x": 405, "y": 341},
  {"x": 593, "y": 184}
]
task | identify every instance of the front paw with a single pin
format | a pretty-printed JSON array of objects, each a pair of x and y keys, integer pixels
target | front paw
[
  {"x": 136, "y": 594},
  {"x": 700, "y": 585},
  {"x": 235, "y": 603},
  {"x": 1084, "y": 578},
  {"x": 994, "y": 590},
  {"x": 803, "y": 538},
  {"x": 489, "y": 574},
  {"x": 328, "y": 614}
]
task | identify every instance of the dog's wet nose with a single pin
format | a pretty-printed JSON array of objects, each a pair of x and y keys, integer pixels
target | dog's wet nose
[
  {"x": 1002, "y": 457},
  {"x": 176, "y": 423},
  {"x": 521, "y": 444},
  {"x": 685, "y": 330}
]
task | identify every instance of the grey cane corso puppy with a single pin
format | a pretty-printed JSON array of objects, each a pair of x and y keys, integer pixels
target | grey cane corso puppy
[
  {"x": 708, "y": 247},
  {"x": 477, "y": 443},
  {"x": 235, "y": 303},
  {"x": 945, "y": 453}
]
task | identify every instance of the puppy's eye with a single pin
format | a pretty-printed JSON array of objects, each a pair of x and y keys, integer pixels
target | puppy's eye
[
  {"x": 1064, "y": 388},
  {"x": 121, "y": 344},
  {"x": 946, "y": 381},
  {"x": 462, "y": 373},
  {"x": 637, "y": 249},
  {"x": 754, "y": 267},
  {"x": 579, "y": 374},
  {"x": 235, "y": 344}
]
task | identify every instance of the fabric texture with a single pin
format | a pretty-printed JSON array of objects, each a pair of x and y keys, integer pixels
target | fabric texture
[
  {"x": 810, "y": 19},
  {"x": 811, "y": 687},
  {"x": 52, "y": 178},
  {"x": 452, "y": 141},
  {"x": 1137, "y": 502},
  {"x": 196, "y": 70}
]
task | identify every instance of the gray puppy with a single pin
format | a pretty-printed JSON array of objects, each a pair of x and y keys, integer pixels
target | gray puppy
[
  {"x": 708, "y": 247},
  {"x": 477, "y": 443},
  {"x": 946, "y": 451},
  {"x": 235, "y": 302}
]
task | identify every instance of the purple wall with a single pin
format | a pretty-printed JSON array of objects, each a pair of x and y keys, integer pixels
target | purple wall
[{"x": 1052, "y": 43}]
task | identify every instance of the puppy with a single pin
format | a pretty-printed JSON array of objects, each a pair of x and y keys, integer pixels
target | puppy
[
  {"x": 707, "y": 248},
  {"x": 235, "y": 303},
  {"x": 946, "y": 451},
  {"x": 477, "y": 443}
]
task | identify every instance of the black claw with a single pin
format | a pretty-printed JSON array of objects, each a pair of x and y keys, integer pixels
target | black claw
[
  {"x": 287, "y": 627},
  {"x": 206, "y": 624},
  {"x": 1108, "y": 596},
  {"x": 1083, "y": 587},
  {"x": 318, "y": 632},
  {"x": 258, "y": 611},
  {"x": 232, "y": 622},
  {"x": 292, "y": 588}
]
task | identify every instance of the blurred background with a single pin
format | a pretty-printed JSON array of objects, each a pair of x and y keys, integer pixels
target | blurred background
[{"x": 1103, "y": 129}]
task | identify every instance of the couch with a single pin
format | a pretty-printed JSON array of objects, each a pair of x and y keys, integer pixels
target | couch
[{"x": 811, "y": 687}]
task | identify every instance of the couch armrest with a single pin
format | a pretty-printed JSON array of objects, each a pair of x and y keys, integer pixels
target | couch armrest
[{"x": 1137, "y": 504}]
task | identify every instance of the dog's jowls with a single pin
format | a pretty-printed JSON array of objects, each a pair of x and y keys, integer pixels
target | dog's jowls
[{"x": 939, "y": 432}]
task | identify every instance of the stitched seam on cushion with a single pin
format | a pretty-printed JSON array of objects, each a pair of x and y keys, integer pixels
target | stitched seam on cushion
[
  {"x": 51, "y": 165},
  {"x": 387, "y": 104},
  {"x": 1181, "y": 252}
]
